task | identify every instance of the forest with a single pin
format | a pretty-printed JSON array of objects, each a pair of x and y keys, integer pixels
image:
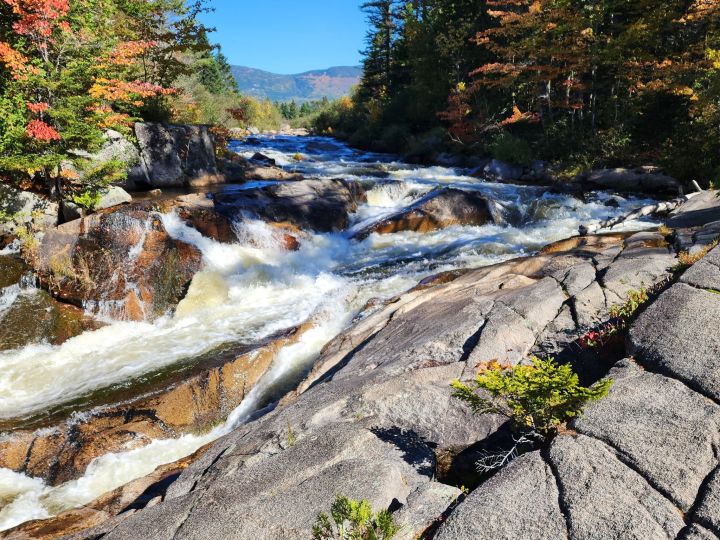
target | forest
[{"x": 577, "y": 83}]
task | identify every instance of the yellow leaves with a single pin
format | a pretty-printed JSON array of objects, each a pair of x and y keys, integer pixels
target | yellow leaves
[
  {"x": 714, "y": 56},
  {"x": 461, "y": 87}
]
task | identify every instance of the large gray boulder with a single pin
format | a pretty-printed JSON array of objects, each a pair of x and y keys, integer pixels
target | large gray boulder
[
  {"x": 502, "y": 171},
  {"x": 22, "y": 209},
  {"x": 319, "y": 205},
  {"x": 173, "y": 156},
  {"x": 642, "y": 179}
]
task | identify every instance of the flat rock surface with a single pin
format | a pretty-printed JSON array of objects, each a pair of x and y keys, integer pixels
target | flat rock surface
[
  {"x": 665, "y": 430},
  {"x": 603, "y": 498},
  {"x": 674, "y": 336},
  {"x": 519, "y": 502}
]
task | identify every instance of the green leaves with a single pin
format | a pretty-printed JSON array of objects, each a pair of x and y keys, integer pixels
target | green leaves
[
  {"x": 537, "y": 398},
  {"x": 354, "y": 520}
]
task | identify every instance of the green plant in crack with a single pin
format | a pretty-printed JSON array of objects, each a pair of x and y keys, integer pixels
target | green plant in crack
[{"x": 537, "y": 399}]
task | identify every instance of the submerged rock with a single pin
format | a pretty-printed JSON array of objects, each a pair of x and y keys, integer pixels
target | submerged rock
[
  {"x": 35, "y": 317},
  {"x": 437, "y": 210}
]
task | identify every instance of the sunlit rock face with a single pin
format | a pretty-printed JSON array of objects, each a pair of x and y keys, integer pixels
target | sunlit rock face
[{"x": 123, "y": 264}]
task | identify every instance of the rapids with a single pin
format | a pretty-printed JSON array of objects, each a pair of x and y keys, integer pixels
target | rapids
[{"x": 253, "y": 289}]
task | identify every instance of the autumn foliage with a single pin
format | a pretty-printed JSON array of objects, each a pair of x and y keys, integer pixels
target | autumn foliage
[{"x": 71, "y": 70}]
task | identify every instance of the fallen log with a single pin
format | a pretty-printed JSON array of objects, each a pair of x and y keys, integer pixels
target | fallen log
[{"x": 664, "y": 207}]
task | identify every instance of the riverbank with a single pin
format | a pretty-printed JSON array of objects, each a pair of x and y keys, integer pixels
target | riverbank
[{"x": 252, "y": 284}]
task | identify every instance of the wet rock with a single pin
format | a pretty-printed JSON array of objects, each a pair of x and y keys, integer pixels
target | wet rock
[
  {"x": 125, "y": 499},
  {"x": 437, "y": 210},
  {"x": 173, "y": 155},
  {"x": 632, "y": 180},
  {"x": 670, "y": 437},
  {"x": 519, "y": 502},
  {"x": 169, "y": 405},
  {"x": 263, "y": 159},
  {"x": 198, "y": 211},
  {"x": 319, "y": 205},
  {"x": 35, "y": 317},
  {"x": 672, "y": 337},
  {"x": 12, "y": 270},
  {"x": 603, "y": 498},
  {"x": 501, "y": 171},
  {"x": 101, "y": 260}
]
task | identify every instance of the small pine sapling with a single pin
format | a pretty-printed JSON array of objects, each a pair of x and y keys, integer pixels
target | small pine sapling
[{"x": 354, "y": 520}]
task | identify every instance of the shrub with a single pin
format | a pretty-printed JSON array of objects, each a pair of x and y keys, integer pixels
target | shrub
[
  {"x": 627, "y": 309},
  {"x": 687, "y": 259},
  {"x": 507, "y": 147},
  {"x": 354, "y": 520},
  {"x": 537, "y": 398}
]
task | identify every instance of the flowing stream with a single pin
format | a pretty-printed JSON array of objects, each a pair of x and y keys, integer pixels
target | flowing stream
[{"x": 258, "y": 289}]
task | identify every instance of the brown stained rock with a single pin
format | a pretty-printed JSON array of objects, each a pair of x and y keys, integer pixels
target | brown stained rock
[
  {"x": 101, "y": 261},
  {"x": 437, "y": 210},
  {"x": 191, "y": 405},
  {"x": 121, "y": 500},
  {"x": 36, "y": 316}
]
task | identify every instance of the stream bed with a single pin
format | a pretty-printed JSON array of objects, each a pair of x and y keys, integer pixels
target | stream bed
[{"x": 264, "y": 290}]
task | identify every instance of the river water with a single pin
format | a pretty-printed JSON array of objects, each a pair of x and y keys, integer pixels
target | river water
[{"x": 260, "y": 289}]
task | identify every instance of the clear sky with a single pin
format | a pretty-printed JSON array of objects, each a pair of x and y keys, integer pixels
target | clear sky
[{"x": 288, "y": 36}]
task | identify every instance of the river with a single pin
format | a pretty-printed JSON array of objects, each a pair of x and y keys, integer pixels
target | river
[{"x": 266, "y": 289}]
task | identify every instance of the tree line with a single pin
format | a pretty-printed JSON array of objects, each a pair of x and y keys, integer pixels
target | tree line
[{"x": 583, "y": 83}]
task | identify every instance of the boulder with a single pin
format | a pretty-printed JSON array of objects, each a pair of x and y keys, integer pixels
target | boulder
[
  {"x": 173, "y": 156},
  {"x": 25, "y": 209},
  {"x": 318, "y": 205},
  {"x": 437, "y": 210},
  {"x": 113, "y": 196},
  {"x": 521, "y": 501},
  {"x": 123, "y": 262},
  {"x": 500, "y": 171},
  {"x": 640, "y": 180}
]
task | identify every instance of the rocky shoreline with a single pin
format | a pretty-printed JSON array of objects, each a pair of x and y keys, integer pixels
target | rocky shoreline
[{"x": 374, "y": 418}]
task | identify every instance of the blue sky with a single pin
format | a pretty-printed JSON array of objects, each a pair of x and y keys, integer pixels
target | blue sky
[{"x": 289, "y": 36}]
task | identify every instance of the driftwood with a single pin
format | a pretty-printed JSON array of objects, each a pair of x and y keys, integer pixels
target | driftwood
[{"x": 651, "y": 209}]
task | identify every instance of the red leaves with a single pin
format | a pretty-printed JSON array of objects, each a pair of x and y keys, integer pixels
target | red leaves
[
  {"x": 37, "y": 108},
  {"x": 38, "y": 18},
  {"x": 40, "y": 131}
]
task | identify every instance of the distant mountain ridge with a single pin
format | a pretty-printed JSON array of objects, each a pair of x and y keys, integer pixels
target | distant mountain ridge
[{"x": 332, "y": 83}]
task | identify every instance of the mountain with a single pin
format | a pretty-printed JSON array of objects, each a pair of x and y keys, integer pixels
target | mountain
[{"x": 333, "y": 83}]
